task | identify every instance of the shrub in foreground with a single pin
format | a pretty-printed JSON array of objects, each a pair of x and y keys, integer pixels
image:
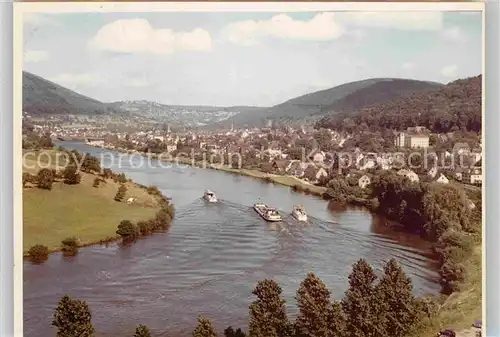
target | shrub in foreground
[
  {"x": 38, "y": 253},
  {"x": 142, "y": 331},
  {"x": 73, "y": 317},
  {"x": 126, "y": 229},
  {"x": 204, "y": 328},
  {"x": 44, "y": 179},
  {"x": 120, "y": 194},
  {"x": 70, "y": 245},
  {"x": 71, "y": 175}
]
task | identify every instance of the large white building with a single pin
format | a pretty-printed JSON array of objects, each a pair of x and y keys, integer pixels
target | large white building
[{"x": 416, "y": 137}]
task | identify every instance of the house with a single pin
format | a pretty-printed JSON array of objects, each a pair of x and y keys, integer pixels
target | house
[
  {"x": 364, "y": 181},
  {"x": 318, "y": 157},
  {"x": 413, "y": 137},
  {"x": 280, "y": 165},
  {"x": 314, "y": 173},
  {"x": 476, "y": 176},
  {"x": 412, "y": 176},
  {"x": 461, "y": 148},
  {"x": 433, "y": 172},
  {"x": 442, "y": 179}
]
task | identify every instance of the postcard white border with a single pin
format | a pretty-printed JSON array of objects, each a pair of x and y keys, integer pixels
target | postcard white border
[{"x": 12, "y": 300}]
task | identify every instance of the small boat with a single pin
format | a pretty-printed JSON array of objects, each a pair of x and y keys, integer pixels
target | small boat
[
  {"x": 299, "y": 213},
  {"x": 209, "y": 196},
  {"x": 267, "y": 213}
]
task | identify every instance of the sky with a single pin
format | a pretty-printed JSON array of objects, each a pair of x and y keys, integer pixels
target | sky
[{"x": 257, "y": 59}]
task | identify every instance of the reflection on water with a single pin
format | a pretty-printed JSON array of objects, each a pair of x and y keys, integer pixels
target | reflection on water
[{"x": 213, "y": 256}]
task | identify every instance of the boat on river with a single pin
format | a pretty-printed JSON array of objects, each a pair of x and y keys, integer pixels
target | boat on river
[
  {"x": 299, "y": 213},
  {"x": 209, "y": 196},
  {"x": 270, "y": 214}
]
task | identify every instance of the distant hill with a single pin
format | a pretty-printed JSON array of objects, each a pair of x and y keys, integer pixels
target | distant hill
[
  {"x": 346, "y": 97},
  {"x": 455, "y": 106},
  {"x": 41, "y": 96},
  {"x": 176, "y": 115}
]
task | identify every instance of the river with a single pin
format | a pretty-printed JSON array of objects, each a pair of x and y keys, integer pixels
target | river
[{"x": 213, "y": 255}]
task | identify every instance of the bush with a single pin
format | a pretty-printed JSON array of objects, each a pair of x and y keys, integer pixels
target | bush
[
  {"x": 70, "y": 245},
  {"x": 44, "y": 179},
  {"x": 145, "y": 227},
  {"x": 38, "y": 253},
  {"x": 142, "y": 331},
  {"x": 153, "y": 190},
  {"x": 163, "y": 218},
  {"x": 73, "y": 318},
  {"x": 28, "y": 178},
  {"x": 126, "y": 229},
  {"x": 120, "y": 194},
  {"x": 72, "y": 176}
]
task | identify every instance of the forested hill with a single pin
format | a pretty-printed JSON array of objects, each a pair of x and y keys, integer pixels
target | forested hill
[
  {"x": 41, "y": 96},
  {"x": 346, "y": 97},
  {"x": 456, "y": 106}
]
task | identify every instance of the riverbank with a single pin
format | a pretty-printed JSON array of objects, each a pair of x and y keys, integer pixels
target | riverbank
[
  {"x": 83, "y": 210},
  {"x": 285, "y": 180}
]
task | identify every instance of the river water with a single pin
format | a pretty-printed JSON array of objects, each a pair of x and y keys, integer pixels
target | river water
[{"x": 213, "y": 255}]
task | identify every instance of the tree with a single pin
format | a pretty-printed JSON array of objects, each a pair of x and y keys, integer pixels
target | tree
[
  {"x": 361, "y": 305},
  {"x": 230, "y": 332},
  {"x": 27, "y": 178},
  {"x": 120, "y": 194},
  {"x": 395, "y": 290},
  {"x": 204, "y": 328},
  {"x": 142, "y": 331},
  {"x": 44, "y": 179},
  {"x": 72, "y": 317},
  {"x": 313, "y": 301},
  {"x": 267, "y": 313},
  {"x": 126, "y": 229},
  {"x": 91, "y": 164},
  {"x": 71, "y": 175}
]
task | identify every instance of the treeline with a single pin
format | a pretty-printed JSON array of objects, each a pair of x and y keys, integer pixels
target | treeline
[
  {"x": 441, "y": 212},
  {"x": 34, "y": 141},
  {"x": 368, "y": 309},
  {"x": 456, "y": 106}
]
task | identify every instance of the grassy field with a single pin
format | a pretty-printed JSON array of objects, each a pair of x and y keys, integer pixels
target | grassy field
[{"x": 89, "y": 213}]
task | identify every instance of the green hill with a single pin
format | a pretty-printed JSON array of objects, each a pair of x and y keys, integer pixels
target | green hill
[
  {"x": 41, "y": 96},
  {"x": 447, "y": 108},
  {"x": 346, "y": 97}
]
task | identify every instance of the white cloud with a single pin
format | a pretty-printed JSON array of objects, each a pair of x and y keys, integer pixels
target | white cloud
[
  {"x": 321, "y": 27},
  {"x": 71, "y": 79},
  {"x": 34, "y": 56},
  {"x": 453, "y": 34},
  {"x": 449, "y": 71},
  {"x": 137, "y": 36},
  {"x": 396, "y": 20},
  {"x": 407, "y": 65}
]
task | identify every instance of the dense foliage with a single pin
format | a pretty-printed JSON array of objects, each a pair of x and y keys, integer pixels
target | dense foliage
[
  {"x": 440, "y": 212},
  {"x": 456, "y": 106},
  {"x": 368, "y": 309}
]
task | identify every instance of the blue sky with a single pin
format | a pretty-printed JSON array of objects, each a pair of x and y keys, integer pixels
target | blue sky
[{"x": 245, "y": 58}]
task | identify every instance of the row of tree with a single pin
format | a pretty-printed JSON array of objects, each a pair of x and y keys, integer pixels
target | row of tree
[
  {"x": 440, "y": 212},
  {"x": 368, "y": 309}
]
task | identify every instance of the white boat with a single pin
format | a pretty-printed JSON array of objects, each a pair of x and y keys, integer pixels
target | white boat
[
  {"x": 267, "y": 213},
  {"x": 209, "y": 196},
  {"x": 299, "y": 213}
]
